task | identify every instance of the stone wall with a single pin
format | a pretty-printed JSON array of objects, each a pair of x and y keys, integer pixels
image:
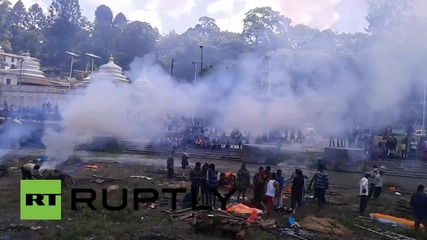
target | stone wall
[{"x": 35, "y": 96}]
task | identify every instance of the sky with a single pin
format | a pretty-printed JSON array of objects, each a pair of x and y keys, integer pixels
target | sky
[{"x": 179, "y": 15}]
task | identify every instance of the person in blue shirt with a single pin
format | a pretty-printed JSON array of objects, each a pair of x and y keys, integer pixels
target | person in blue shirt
[
  {"x": 321, "y": 185},
  {"x": 281, "y": 180}
]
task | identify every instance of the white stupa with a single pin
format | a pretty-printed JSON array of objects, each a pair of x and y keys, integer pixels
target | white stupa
[
  {"x": 27, "y": 72},
  {"x": 31, "y": 68},
  {"x": 109, "y": 71},
  {"x": 142, "y": 82}
]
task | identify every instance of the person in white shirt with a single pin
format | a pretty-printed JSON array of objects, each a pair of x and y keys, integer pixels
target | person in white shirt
[
  {"x": 378, "y": 185},
  {"x": 29, "y": 170},
  {"x": 272, "y": 189},
  {"x": 363, "y": 193}
]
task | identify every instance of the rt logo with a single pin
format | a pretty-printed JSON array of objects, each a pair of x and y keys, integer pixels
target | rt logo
[{"x": 40, "y": 200}]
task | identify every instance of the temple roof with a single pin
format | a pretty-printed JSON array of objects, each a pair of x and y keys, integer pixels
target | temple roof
[
  {"x": 110, "y": 71},
  {"x": 142, "y": 82}
]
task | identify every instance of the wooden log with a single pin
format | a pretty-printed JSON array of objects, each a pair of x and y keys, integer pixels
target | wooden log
[
  {"x": 241, "y": 235},
  {"x": 100, "y": 177},
  {"x": 190, "y": 215}
]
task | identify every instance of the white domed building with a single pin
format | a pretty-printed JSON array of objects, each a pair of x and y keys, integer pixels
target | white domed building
[
  {"x": 26, "y": 72},
  {"x": 107, "y": 72},
  {"x": 142, "y": 82}
]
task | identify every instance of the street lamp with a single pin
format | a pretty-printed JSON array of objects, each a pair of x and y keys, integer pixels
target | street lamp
[
  {"x": 201, "y": 60},
  {"x": 20, "y": 71},
  {"x": 172, "y": 67},
  {"x": 195, "y": 71},
  {"x": 92, "y": 57},
  {"x": 71, "y": 64},
  {"x": 424, "y": 106},
  {"x": 269, "y": 78},
  {"x": 194, "y": 83}
]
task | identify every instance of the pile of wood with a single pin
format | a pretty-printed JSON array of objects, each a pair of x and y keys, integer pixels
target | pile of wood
[{"x": 218, "y": 222}]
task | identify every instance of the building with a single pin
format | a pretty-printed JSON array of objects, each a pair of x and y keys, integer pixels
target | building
[
  {"x": 27, "y": 73},
  {"x": 108, "y": 72},
  {"x": 27, "y": 85},
  {"x": 142, "y": 82},
  {"x": 11, "y": 61}
]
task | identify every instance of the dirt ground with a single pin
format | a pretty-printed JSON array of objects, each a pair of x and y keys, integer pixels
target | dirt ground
[{"x": 154, "y": 224}]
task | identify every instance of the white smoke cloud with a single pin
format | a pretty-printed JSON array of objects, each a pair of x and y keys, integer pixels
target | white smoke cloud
[
  {"x": 320, "y": 14},
  {"x": 331, "y": 91}
]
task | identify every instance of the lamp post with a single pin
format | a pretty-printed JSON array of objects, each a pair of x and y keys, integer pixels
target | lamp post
[
  {"x": 269, "y": 78},
  {"x": 424, "y": 106},
  {"x": 71, "y": 65},
  {"x": 195, "y": 72},
  {"x": 172, "y": 67},
  {"x": 201, "y": 60},
  {"x": 20, "y": 72},
  {"x": 194, "y": 83}
]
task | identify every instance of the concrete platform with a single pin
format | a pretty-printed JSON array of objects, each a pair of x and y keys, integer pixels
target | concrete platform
[
  {"x": 258, "y": 154},
  {"x": 345, "y": 159}
]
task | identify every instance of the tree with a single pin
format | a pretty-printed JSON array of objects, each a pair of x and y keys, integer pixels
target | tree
[
  {"x": 260, "y": 25},
  {"x": 64, "y": 31},
  {"x": 65, "y": 11},
  {"x": 120, "y": 20},
  {"x": 4, "y": 29},
  {"x": 302, "y": 36},
  {"x": 136, "y": 39},
  {"x": 206, "y": 26},
  {"x": 383, "y": 14},
  {"x": 36, "y": 17},
  {"x": 103, "y": 16},
  {"x": 104, "y": 36},
  {"x": 18, "y": 16}
]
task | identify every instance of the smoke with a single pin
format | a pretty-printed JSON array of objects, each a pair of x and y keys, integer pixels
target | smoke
[
  {"x": 333, "y": 91},
  {"x": 13, "y": 134}
]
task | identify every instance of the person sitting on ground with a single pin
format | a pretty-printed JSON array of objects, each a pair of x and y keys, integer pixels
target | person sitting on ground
[
  {"x": 187, "y": 201},
  {"x": 378, "y": 185},
  {"x": 30, "y": 170},
  {"x": 418, "y": 204},
  {"x": 297, "y": 190},
  {"x": 243, "y": 181}
]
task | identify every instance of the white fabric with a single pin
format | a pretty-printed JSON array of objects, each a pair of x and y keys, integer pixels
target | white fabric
[
  {"x": 271, "y": 190},
  {"x": 363, "y": 185},
  {"x": 29, "y": 166}
]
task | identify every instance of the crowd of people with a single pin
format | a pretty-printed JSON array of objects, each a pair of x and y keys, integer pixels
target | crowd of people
[
  {"x": 384, "y": 146},
  {"x": 30, "y": 112},
  {"x": 268, "y": 187},
  {"x": 196, "y": 133}
]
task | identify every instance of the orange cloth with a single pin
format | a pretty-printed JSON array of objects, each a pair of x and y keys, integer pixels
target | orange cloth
[
  {"x": 241, "y": 209},
  {"x": 401, "y": 221}
]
